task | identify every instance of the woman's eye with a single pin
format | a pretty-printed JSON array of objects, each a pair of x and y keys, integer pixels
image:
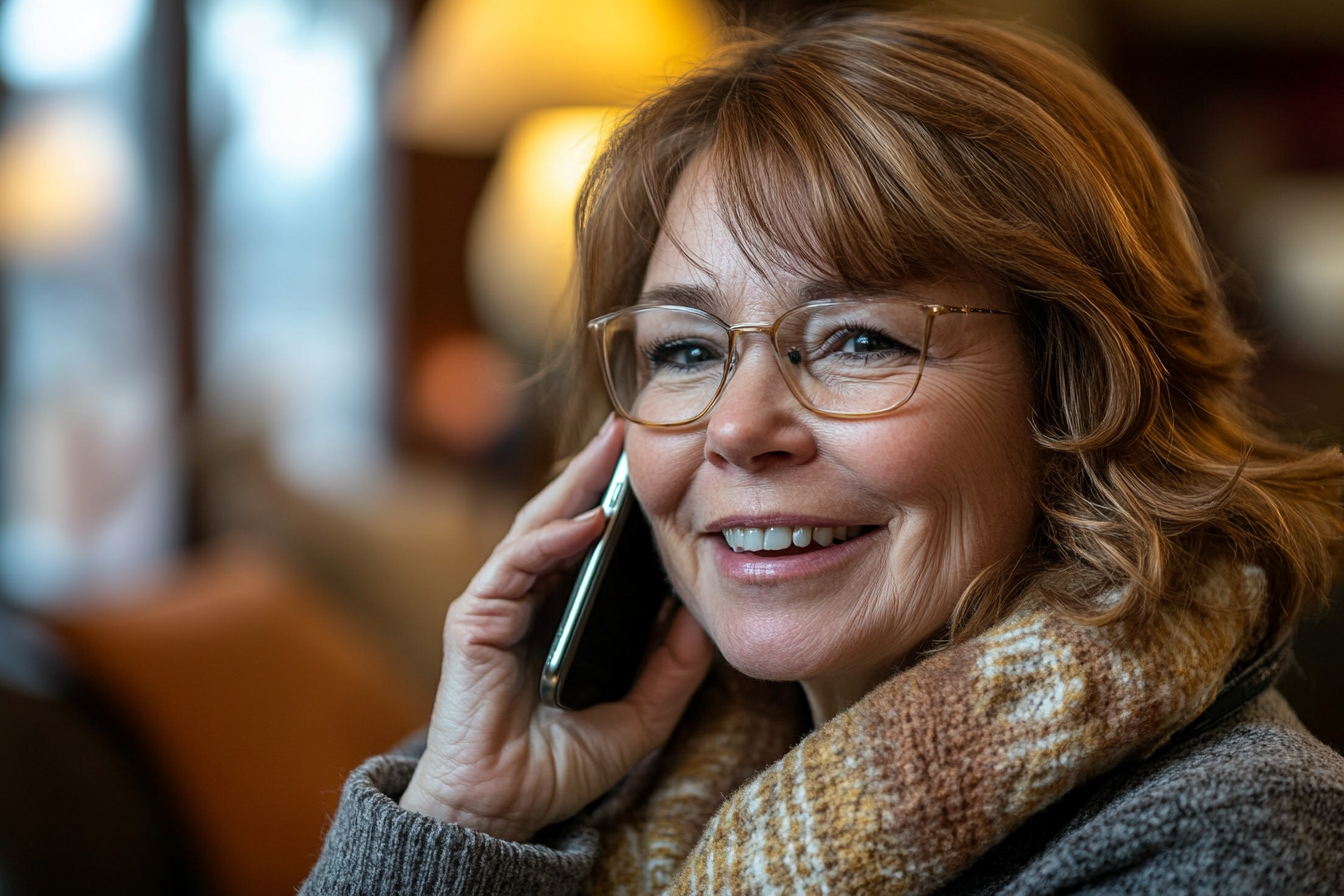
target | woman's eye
[
  {"x": 682, "y": 355},
  {"x": 864, "y": 343}
]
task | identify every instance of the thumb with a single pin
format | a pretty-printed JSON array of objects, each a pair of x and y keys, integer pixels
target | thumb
[
  {"x": 673, "y": 672},
  {"x": 616, "y": 735}
]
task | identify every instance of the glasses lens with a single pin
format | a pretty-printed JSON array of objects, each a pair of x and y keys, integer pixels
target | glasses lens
[
  {"x": 853, "y": 357},
  {"x": 665, "y": 364}
]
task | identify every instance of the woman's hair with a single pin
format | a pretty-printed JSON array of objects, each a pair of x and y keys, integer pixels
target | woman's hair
[{"x": 876, "y": 148}]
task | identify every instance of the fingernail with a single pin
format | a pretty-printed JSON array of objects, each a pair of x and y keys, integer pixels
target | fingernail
[
  {"x": 589, "y": 514},
  {"x": 608, "y": 424}
]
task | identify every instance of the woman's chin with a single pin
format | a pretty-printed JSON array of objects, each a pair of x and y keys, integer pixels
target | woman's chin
[
  {"x": 775, "y": 656},
  {"x": 775, "y": 649}
]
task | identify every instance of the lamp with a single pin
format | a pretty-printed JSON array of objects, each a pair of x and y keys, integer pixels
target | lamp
[
  {"x": 476, "y": 66},
  {"x": 479, "y": 70},
  {"x": 521, "y": 242}
]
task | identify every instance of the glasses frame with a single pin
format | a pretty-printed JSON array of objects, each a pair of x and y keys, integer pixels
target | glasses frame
[{"x": 599, "y": 327}]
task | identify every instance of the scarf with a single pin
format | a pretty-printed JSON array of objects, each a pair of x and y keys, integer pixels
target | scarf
[{"x": 906, "y": 788}]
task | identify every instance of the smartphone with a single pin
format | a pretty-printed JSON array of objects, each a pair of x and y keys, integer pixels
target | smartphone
[{"x": 613, "y": 608}]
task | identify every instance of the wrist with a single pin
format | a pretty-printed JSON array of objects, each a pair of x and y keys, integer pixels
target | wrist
[{"x": 423, "y": 799}]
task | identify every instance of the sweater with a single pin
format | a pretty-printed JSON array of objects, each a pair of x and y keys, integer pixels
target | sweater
[
  {"x": 1254, "y": 805},
  {"x": 1031, "y": 760}
]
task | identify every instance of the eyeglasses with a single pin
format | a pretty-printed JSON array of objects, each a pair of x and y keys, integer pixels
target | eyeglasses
[{"x": 666, "y": 365}]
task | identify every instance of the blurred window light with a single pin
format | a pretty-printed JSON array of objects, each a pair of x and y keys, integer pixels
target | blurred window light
[
  {"x": 293, "y": 317},
  {"x": 300, "y": 85},
  {"x": 309, "y": 120},
  {"x": 89, "y": 482},
  {"x": 91, "y": 465},
  {"x": 89, "y": 462},
  {"x": 56, "y": 43}
]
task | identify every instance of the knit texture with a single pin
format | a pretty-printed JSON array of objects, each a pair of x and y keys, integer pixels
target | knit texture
[
  {"x": 975, "y": 736},
  {"x": 381, "y": 849},
  {"x": 1253, "y": 806},
  {"x": 907, "y": 788}
]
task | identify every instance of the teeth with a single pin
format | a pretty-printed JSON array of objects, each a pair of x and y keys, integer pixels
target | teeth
[{"x": 777, "y": 538}]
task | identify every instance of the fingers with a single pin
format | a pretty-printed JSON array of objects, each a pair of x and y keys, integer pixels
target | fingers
[
  {"x": 519, "y": 559},
  {"x": 594, "y": 747},
  {"x": 581, "y": 484},
  {"x": 496, "y": 609},
  {"x": 543, "y": 538}
]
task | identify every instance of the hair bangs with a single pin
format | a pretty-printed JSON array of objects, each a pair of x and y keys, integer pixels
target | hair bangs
[{"x": 800, "y": 193}]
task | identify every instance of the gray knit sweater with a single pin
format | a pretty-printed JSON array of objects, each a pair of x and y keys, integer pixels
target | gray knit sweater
[{"x": 1254, "y": 805}]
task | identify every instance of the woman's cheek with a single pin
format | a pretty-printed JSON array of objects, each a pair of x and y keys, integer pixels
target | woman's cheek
[{"x": 662, "y": 467}]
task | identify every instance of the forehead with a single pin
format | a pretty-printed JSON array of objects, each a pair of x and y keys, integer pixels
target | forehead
[{"x": 699, "y": 261}]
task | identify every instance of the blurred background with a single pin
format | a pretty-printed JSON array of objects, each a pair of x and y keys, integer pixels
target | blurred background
[{"x": 277, "y": 280}]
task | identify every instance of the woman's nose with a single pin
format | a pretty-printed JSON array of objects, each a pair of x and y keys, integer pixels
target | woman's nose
[{"x": 757, "y": 421}]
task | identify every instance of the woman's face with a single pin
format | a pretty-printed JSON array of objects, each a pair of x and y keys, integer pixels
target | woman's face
[{"x": 937, "y": 490}]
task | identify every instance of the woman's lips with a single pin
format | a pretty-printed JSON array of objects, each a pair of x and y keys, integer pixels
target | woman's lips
[{"x": 776, "y": 566}]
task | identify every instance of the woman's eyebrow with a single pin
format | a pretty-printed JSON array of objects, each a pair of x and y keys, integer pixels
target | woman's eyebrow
[
  {"x": 824, "y": 289},
  {"x": 682, "y": 294},
  {"x": 835, "y": 289},
  {"x": 706, "y": 299}
]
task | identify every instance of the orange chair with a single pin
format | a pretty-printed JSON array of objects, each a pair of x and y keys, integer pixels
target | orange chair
[{"x": 253, "y": 699}]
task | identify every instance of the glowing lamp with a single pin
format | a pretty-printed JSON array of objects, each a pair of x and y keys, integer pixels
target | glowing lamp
[
  {"x": 65, "y": 179},
  {"x": 476, "y": 66},
  {"x": 520, "y": 248}
]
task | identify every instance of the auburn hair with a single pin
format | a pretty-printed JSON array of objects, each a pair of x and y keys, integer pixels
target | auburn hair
[{"x": 880, "y": 147}]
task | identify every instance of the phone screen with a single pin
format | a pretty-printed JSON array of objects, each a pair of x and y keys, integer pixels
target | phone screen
[{"x": 600, "y": 645}]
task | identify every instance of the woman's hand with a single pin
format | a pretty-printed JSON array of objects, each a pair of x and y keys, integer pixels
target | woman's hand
[{"x": 497, "y": 760}]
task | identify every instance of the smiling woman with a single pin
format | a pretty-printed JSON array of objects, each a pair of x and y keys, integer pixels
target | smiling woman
[
  {"x": 937, "y": 415},
  {"x": 936, "y": 489}
]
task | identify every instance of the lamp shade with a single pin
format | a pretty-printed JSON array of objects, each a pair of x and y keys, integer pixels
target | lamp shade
[
  {"x": 520, "y": 248},
  {"x": 475, "y": 66}
]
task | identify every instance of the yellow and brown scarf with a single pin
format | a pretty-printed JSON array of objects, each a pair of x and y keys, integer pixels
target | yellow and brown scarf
[{"x": 905, "y": 789}]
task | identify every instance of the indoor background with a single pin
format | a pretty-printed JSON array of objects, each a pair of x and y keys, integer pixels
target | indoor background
[{"x": 280, "y": 281}]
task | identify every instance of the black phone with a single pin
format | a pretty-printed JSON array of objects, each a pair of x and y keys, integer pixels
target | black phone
[{"x": 613, "y": 608}]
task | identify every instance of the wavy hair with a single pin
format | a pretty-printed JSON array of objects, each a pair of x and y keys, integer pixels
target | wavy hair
[{"x": 881, "y": 147}]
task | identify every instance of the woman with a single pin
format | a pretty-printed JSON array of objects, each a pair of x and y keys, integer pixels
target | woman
[{"x": 923, "y": 296}]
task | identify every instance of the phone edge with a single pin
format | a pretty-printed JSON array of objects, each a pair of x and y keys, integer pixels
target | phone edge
[{"x": 616, "y": 502}]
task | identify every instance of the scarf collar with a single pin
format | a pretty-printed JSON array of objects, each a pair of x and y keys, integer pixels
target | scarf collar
[{"x": 905, "y": 789}]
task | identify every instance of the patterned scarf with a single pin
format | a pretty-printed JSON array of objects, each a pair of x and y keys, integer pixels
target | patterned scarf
[{"x": 905, "y": 789}]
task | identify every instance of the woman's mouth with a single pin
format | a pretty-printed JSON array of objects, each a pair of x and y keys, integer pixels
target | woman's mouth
[{"x": 786, "y": 540}]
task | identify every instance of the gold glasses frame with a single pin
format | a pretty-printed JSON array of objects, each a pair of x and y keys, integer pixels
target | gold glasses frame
[{"x": 600, "y": 327}]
